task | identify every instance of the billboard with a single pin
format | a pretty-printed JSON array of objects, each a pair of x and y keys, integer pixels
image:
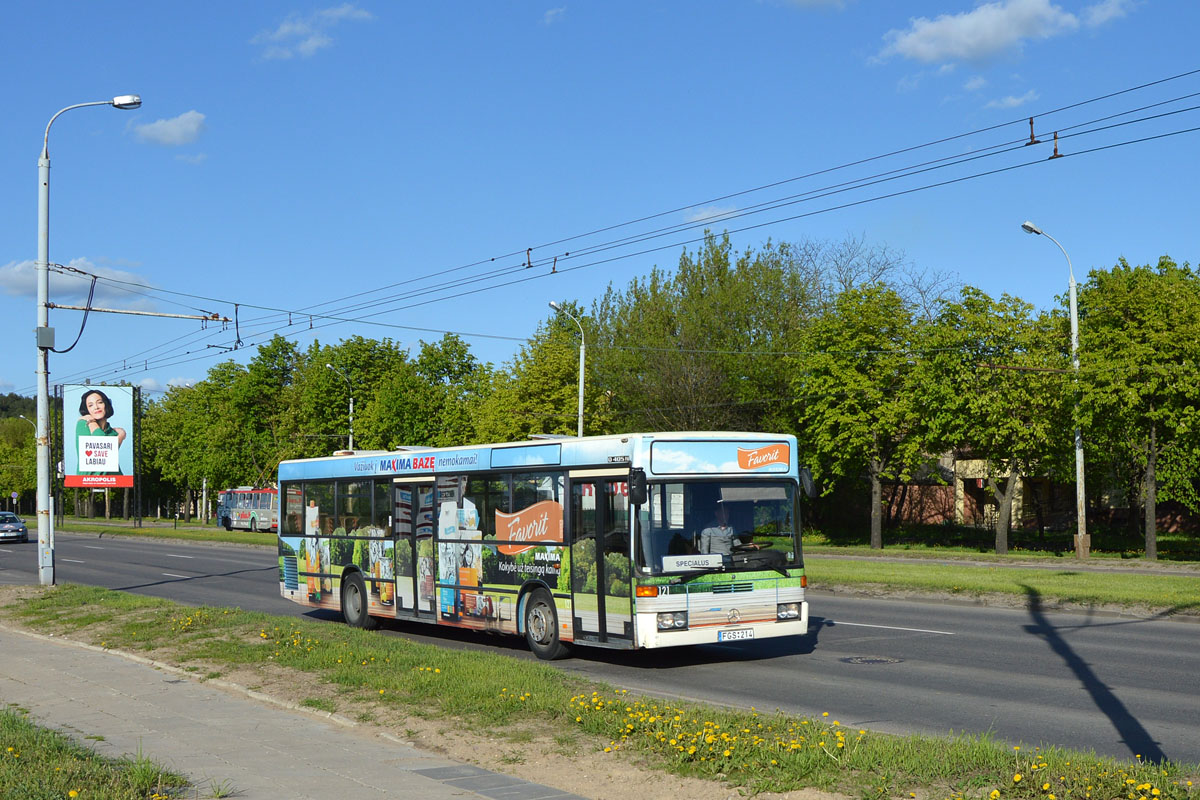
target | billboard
[{"x": 98, "y": 436}]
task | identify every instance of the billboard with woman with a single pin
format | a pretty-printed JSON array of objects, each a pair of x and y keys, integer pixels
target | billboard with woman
[{"x": 97, "y": 436}]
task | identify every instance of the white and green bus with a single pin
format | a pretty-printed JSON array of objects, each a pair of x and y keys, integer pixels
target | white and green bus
[{"x": 625, "y": 541}]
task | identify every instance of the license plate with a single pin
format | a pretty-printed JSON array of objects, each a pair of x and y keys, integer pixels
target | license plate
[{"x": 732, "y": 636}]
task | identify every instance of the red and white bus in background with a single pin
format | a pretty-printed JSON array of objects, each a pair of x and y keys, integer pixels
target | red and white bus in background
[{"x": 248, "y": 508}]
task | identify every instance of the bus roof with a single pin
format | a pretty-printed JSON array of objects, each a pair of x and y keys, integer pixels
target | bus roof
[{"x": 660, "y": 454}]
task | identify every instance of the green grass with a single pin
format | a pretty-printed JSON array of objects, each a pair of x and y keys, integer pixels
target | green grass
[
  {"x": 189, "y": 533},
  {"x": 39, "y": 764},
  {"x": 386, "y": 677},
  {"x": 1164, "y": 593},
  {"x": 1107, "y": 542}
]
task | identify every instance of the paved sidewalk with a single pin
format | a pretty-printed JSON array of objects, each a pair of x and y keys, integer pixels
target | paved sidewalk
[{"x": 223, "y": 738}]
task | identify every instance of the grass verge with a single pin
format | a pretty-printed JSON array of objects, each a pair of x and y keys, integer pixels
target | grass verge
[
  {"x": 38, "y": 763},
  {"x": 387, "y": 677},
  {"x": 1165, "y": 594},
  {"x": 187, "y": 534}
]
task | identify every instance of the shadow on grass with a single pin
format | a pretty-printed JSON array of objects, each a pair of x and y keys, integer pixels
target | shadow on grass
[{"x": 1133, "y": 734}]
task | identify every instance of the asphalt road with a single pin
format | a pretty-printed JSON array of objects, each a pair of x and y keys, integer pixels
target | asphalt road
[{"x": 1116, "y": 685}]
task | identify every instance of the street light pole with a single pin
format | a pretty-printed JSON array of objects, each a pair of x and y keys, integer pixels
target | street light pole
[
  {"x": 1081, "y": 541},
  {"x": 350, "y": 389},
  {"x": 582, "y": 348},
  {"x": 45, "y": 342}
]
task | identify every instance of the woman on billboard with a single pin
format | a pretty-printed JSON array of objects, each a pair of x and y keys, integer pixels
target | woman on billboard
[{"x": 95, "y": 409}]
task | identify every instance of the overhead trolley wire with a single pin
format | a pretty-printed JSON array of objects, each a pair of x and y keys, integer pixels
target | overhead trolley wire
[{"x": 497, "y": 273}]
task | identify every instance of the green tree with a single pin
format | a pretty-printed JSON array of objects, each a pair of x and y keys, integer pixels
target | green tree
[
  {"x": 699, "y": 349},
  {"x": 991, "y": 382},
  {"x": 1140, "y": 362},
  {"x": 538, "y": 391},
  {"x": 853, "y": 394}
]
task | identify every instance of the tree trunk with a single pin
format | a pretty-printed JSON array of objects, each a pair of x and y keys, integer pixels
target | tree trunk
[
  {"x": 125, "y": 509},
  {"x": 876, "y": 506},
  {"x": 1004, "y": 511},
  {"x": 1151, "y": 493}
]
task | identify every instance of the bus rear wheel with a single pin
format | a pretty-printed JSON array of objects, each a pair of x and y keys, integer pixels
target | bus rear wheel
[
  {"x": 253, "y": 525},
  {"x": 354, "y": 603},
  {"x": 541, "y": 626}
]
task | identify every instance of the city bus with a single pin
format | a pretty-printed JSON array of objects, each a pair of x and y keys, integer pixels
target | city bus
[
  {"x": 248, "y": 508},
  {"x": 607, "y": 541}
]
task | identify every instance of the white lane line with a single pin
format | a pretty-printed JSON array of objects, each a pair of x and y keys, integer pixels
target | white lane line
[
  {"x": 173, "y": 575},
  {"x": 2, "y": 550},
  {"x": 73, "y": 561},
  {"x": 172, "y": 555},
  {"x": 93, "y": 547},
  {"x": 891, "y": 628}
]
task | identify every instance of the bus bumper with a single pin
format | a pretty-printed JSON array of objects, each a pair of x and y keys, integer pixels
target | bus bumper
[{"x": 648, "y": 634}]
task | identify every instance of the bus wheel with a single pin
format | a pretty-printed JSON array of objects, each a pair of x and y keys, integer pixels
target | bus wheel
[
  {"x": 354, "y": 603},
  {"x": 541, "y": 626},
  {"x": 253, "y": 525},
  {"x": 228, "y": 524}
]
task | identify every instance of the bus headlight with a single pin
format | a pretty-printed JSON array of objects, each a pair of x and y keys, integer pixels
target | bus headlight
[
  {"x": 787, "y": 611},
  {"x": 672, "y": 620}
]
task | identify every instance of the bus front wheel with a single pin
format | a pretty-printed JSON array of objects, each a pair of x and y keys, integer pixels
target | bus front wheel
[
  {"x": 541, "y": 626},
  {"x": 354, "y": 603}
]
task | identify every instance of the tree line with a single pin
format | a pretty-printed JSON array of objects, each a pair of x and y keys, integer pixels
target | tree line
[{"x": 878, "y": 368}]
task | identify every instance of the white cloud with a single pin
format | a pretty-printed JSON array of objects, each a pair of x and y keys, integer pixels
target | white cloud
[
  {"x": 1105, "y": 11},
  {"x": 1014, "y": 102},
  {"x": 980, "y": 34},
  {"x": 19, "y": 279},
  {"x": 975, "y": 84},
  {"x": 709, "y": 212},
  {"x": 304, "y": 36},
  {"x": 554, "y": 15},
  {"x": 181, "y": 130}
]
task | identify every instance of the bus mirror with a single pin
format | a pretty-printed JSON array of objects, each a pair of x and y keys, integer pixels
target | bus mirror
[
  {"x": 637, "y": 486},
  {"x": 806, "y": 480}
]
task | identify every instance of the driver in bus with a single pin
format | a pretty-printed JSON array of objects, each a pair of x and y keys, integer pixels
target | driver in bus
[{"x": 719, "y": 536}]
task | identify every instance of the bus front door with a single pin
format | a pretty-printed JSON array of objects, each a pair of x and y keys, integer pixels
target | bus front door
[{"x": 600, "y": 561}]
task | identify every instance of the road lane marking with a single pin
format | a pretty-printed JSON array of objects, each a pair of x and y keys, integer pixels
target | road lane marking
[
  {"x": 173, "y": 575},
  {"x": 892, "y": 628},
  {"x": 73, "y": 561},
  {"x": 172, "y": 555},
  {"x": 93, "y": 547}
]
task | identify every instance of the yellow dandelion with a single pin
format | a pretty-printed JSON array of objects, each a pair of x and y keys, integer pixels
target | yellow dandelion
[
  {"x": 1017, "y": 778},
  {"x": 72, "y": 793}
]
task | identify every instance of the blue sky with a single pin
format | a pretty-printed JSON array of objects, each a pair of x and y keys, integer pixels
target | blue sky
[{"x": 290, "y": 155}]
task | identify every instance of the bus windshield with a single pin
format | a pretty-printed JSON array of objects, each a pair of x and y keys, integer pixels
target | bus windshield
[{"x": 715, "y": 525}]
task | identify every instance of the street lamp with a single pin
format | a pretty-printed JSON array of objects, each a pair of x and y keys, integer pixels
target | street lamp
[
  {"x": 1080, "y": 509},
  {"x": 45, "y": 341},
  {"x": 582, "y": 348},
  {"x": 31, "y": 422},
  {"x": 350, "y": 389}
]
